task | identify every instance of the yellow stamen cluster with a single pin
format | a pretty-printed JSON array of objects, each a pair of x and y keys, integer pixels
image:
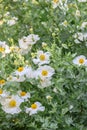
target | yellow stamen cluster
[
  {"x": 1, "y": 91},
  {"x": 22, "y": 93},
  {"x": 44, "y": 73},
  {"x": 42, "y": 57},
  {"x": 12, "y": 103},
  {"x": 55, "y": 1},
  {"x": 2, "y": 49},
  {"x": 20, "y": 69},
  {"x": 2, "y": 81},
  {"x": 34, "y": 106},
  {"x": 81, "y": 61}
]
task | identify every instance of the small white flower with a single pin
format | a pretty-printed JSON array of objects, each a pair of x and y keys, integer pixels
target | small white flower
[
  {"x": 79, "y": 37},
  {"x": 48, "y": 97},
  {"x": 4, "y": 48},
  {"x": 44, "y": 45},
  {"x": 7, "y": 14},
  {"x": 3, "y": 93},
  {"x": 80, "y": 60},
  {"x": 82, "y": 0},
  {"x": 55, "y": 3},
  {"x": 44, "y": 72},
  {"x": 29, "y": 72},
  {"x": 78, "y": 13},
  {"x": 12, "y": 21},
  {"x": 11, "y": 104},
  {"x": 33, "y": 38},
  {"x": 21, "y": 71},
  {"x": 65, "y": 23},
  {"x": 45, "y": 83},
  {"x": 16, "y": 78},
  {"x": 26, "y": 43},
  {"x": 42, "y": 58},
  {"x": 84, "y": 24},
  {"x": 15, "y": 0},
  {"x": 24, "y": 95},
  {"x": 37, "y": 106}
]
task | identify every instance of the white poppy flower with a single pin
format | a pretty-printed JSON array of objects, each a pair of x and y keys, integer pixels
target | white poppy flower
[
  {"x": 37, "y": 106},
  {"x": 80, "y": 60},
  {"x": 11, "y": 104},
  {"x": 45, "y": 83},
  {"x": 82, "y": 0},
  {"x": 26, "y": 43},
  {"x": 55, "y": 3},
  {"x": 16, "y": 78},
  {"x": 12, "y": 21},
  {"x": 29, "y": 72},
  {"x": 21, "y": 71},
  {"x": 24, "y": 95},
  {"x": 44, "y": 72},
  {"x": 42, "y": 58},
  {"x": 3, "y": 93},
  {"x": 4, "y": 49}
]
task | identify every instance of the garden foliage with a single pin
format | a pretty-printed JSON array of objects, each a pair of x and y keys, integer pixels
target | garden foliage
[{"x": 43, "y": 64}]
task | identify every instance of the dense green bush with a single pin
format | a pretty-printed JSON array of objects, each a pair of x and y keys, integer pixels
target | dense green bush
[{"x": 47, "y": 41}]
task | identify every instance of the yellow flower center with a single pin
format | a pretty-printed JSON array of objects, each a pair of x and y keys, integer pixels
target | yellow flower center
[
  {"x": 22, "y": 93},
  {"x": 20, "y": 69},
  {"x": 12, "y": 103},
  {"x": 44, "y": 72},
  {"x": 42, "y": 57},
  {"x": 1, "y": 91},
  {"x": 34, "y": 106},
  {"x": 81, "y": 61},
  {"x": 2, "y": 49},
  {"x": 2, "y": 81},
  {"x": 55, "y": 1}
]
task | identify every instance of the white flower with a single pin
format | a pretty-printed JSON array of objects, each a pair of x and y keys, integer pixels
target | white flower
[
  {"x": 78, "y": 13},
  {"x": 3, "y": 93},
  {"x": 26, "y": 43},
  {"x": 55, "y": 3},
  {"x": 37, "y": 106},
  {"x": 7, "y": 14},
  {"x": 82, "y": 0},
  {"x": 29, "y": 72},
  {"x": 61, "y": 4},
  {"x": 45, "y": 83},
  {"x": 33, "y": 38},
  {"x": 15, "y": 78},
  {"x": 24, "y": 95},
  {"x": 65, "y": 23},
  {"x": 11, "y": 104},
  {"x": 48, "y": 97},
  {"x": 42, "y": 58},
  {"x": 80, "y": 60},
  {"x": 12, "y": 21},
  {"x": 79, "y": 37},
  {"x": 44, "y": 45},
  {"x": 21, "y": 71},
  {"x": 84, "y": 24},
  {"x": 4, "y": 49},
  {"x": 44, "y": 72},
  {"x": 15, "y": 0}
]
